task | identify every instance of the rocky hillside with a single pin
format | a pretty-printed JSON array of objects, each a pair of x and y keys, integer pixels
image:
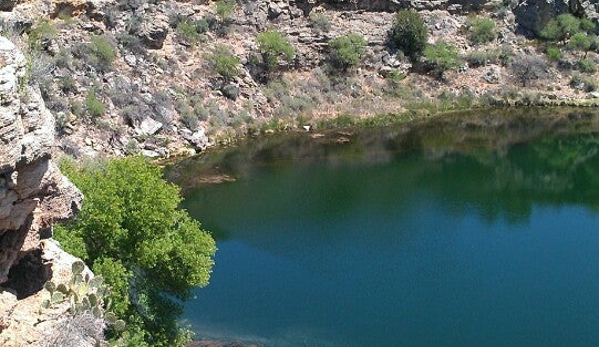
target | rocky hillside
[
  {"x": 33, "y": 195},
  {"x": 157, "y": 78}
]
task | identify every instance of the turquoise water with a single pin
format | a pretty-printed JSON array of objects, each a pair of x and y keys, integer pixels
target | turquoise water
[{"x": 404, "y": 237}]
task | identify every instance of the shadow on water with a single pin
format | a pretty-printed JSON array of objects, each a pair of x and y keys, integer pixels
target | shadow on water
[{"x": 510, "y": 160}]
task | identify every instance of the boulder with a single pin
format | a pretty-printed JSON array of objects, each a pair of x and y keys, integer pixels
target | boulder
[
  {"x": 153, "y": 31},
  {"x": 7, "y": 5}
]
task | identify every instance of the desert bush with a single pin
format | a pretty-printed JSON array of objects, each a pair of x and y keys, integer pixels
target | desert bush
[
  {"x": 99, "y": 53},
  {"x": 586, "y": 83},
  {"x": 347, "y": 51},
  {"x": 67, "y": 84},
  {"x": 225, "y": 8},
  {"x": 409, "y": 33},
  {"x": 586, "y": 65},
  {"x": 186, "y": 31},
  {"x": 93, "y": 105},
  {"x": 483, "y": 57},
  {"x": 224, "y": 62},
  {"x": 528, "y": 68},
  {"x": 320, "y": 22},
  {"x": 442, "y": 57},
  {"x": 579, "y": 42},
  {"x": 561, "y": 28},
  {"x": 481, "y": 30},
  {"x": 41, "y": 33},
  {"x": 274, "y": 49},
  {"x": 553, "y": 53}
]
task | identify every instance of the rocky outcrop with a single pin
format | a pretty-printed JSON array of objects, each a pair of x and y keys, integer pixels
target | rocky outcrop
[
  {"x": 533, "y": 15},
  {"x": 33, "y": 192}
]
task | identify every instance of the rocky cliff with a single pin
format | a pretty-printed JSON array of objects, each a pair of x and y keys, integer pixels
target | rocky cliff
[
  {"x": 138, "y": 76},
  {"x": 33, "y": 195}
]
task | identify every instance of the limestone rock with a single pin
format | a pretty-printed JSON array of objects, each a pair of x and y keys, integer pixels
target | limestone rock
[
  {"x": 148, "y": 126},
  {"x": 153, "y": 30}
]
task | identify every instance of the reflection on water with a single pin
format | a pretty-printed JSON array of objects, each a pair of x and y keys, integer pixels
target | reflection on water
[{"x": 461, "y": 231}]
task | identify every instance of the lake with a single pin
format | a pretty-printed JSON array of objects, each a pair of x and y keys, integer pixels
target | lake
[{"x": 467, "y": 230}]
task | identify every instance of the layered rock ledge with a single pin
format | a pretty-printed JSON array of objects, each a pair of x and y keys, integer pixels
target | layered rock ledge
[{"x": 33, "y": 195}]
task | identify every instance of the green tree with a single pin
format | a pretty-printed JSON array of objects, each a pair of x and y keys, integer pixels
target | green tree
[
  {"x": 274, "y": 49},
  {"x": 409, "y": 33},
  {"x": 347, "y": 51},
  {"x": 151, "y": 252}
]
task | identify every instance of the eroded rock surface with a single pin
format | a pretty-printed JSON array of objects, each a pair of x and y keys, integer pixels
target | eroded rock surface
[{"x": 33, "y": 192}]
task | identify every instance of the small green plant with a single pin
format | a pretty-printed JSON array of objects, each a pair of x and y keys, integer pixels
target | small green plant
[
  {"x": 225, "y": 62},
  {"x": 443, "y": 57},
  {"x": 553, "y": 53},
  {"x": 93, "y": 106},
  {"x": 409, "y": 33},
  {"x": 274, "y": 49},
  {"x": 347, "y": 51},
  {"x": 481, "y": 30}
]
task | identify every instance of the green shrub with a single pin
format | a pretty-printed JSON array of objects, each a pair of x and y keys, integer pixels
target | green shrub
[
  {"x": 579, "y": 42},
  {"x": 586, "y": 65},
  {"x": 225, "y": 62},
  {"x": 274, "y": 48},
  {"x": 187, "y": 32},
  {"x": 93, "y": 106},
  {"x": 409, "y": 33},
  {"x": 553, "y": 53},
  {"x": 481, "y": 30},
  {"x": 347, "y": 51},
  {"x": 561, "y": 28},
  {"x": 442, "y": 56},
  {"x": 149, "y": 250},
  {"x": 99, "y": 53},
  {"x": 225, "y": 8}
]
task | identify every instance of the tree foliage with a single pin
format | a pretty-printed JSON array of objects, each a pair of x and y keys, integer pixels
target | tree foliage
[
  {"x": 149, "y": 251},
  {"x": 347, "y": 51},
  {"x": 409, "y": 33}
]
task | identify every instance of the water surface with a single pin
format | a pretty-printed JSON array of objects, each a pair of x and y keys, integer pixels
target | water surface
[{"x": 478, "y": 231}]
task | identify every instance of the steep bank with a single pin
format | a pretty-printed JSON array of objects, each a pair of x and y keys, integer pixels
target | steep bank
[
  {"x": 33, "y": 196},
  {"x": 126, "y": 77}
]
